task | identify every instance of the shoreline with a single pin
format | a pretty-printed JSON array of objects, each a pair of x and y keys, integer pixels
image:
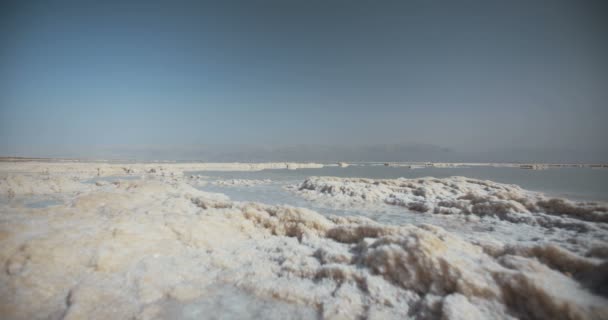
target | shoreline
[{"x": 432, "y": 164}]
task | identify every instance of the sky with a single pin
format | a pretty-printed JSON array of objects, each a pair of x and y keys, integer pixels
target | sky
[{"x": 305, "y": 80}]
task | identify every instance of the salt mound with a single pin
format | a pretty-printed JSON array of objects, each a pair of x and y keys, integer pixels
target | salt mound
[
  {"x": 454, "y": 195},
  {"x": 152, "y": 249}
]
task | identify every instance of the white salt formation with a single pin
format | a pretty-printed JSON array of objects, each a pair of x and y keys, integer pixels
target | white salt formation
[
  {"x": 200, "y": 181},
  {"x": 240, "y": 182},
  {"x": 101, "y": 169},
  {"x": 455, "y": 195},
  {"x": 34, "y": 184},
  {"x": 158, "y": 248}
]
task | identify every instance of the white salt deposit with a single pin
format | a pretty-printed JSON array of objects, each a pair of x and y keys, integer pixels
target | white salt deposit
[
  {"x": 87, "y": 169},
  {"x": 156, "y": 247},
  {"x": 32, "y": 184},
  {"x": 455, "y": 195},
  {"x": 240, "y": 182}
]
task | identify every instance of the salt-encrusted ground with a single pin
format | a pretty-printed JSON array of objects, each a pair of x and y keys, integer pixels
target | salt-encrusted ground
[
  {"x": 508, "y": 212},
  {"x": 156, "y": 247}
]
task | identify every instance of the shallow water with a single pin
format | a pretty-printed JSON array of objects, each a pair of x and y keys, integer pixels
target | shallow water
[
  {"x": 33, "y": 202},
  {"x": 111, "y": 179},
  {"x": 37, "y": 204}
]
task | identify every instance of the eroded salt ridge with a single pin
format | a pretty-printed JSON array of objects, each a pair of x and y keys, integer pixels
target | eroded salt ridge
[
  {"x": 455, "y": 195},
  {"x": 240, "y": 182},
  {"x": 38, "y": 178},
  {"x": 31, "y": 184},
  {"x": 201, "y": 181},
  {"x": 96, "y": 169},
  {"x": 141, "y": 246}
]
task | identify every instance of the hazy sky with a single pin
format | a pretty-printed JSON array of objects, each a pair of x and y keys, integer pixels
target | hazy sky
[{"x": 406, "y": 80}]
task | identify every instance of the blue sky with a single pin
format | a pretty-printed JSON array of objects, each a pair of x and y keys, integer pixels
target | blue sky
[{"x": 493, "y": 80}]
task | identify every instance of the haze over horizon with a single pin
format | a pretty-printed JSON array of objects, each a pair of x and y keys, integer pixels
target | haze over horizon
[{"x": 305, "y": 81}]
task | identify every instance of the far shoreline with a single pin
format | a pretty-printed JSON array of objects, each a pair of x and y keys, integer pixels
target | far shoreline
[{"x": 416, "y": 164}]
